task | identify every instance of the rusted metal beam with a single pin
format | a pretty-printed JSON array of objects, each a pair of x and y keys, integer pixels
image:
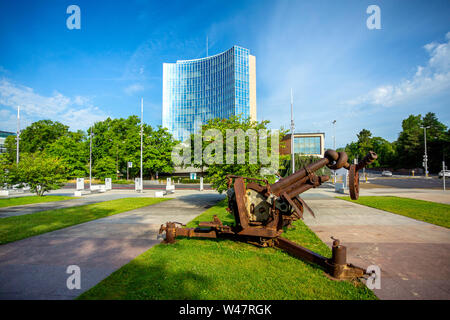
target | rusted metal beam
[{"x": 300, "y": 252}]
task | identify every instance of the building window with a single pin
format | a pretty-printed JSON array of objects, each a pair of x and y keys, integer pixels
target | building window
[{"x": 307, "y": 145}]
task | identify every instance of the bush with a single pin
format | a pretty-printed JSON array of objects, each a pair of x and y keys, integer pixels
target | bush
[{"x": 39, "y": 171}]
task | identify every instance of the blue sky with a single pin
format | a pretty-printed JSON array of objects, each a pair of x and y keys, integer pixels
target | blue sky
[{"x": 338, "y": 68}]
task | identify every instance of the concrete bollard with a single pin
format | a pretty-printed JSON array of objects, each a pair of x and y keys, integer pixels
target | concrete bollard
[
  {"x": 138, "y": 184},
  {"x": 80, "y": 184},
  {"x": 108, "y": 183}
]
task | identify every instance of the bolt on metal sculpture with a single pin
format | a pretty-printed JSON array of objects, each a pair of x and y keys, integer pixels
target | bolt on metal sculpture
[{"x": 261, "y": 210}]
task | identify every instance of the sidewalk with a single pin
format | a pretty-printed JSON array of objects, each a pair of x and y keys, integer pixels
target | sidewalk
[
  {"x": 88, "y": 199},
  {"x": 413, "y": 255},
  {"x": 35, "y": 268}
]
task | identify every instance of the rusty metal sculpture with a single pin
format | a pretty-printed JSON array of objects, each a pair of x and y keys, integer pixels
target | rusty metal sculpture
[{"x": 261, "y": 210}]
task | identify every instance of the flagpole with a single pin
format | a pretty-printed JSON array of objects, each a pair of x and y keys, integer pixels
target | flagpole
[
  {"x": 142, "y": 134},
  {"x": 292, "y": 134},
  {"x": 18, "y": 134}
]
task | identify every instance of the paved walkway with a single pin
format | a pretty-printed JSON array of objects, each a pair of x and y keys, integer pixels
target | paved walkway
[
  {"x": 35, "y": 268},
  {"x": 413, "y": 256},
  {"x": 85, "y": 200}
]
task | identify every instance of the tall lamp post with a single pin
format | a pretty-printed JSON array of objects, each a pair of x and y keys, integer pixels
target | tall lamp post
[
  {"x": 334, "y": 147},
  {"x": 18, "y": 135},
  {"x": 292, "y": 134},
  {"x": 142, "y": 134},
  {"x": 90, "y": 160},
  {"x": 425, "y": 157}
]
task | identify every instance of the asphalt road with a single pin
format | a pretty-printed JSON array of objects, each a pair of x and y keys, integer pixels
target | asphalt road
[{"x": 410, "y": 183}]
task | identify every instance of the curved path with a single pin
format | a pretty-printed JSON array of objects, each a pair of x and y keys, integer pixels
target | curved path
[
  {"x": 413, "y": 255},
  {"x": 35, "y": 268}
]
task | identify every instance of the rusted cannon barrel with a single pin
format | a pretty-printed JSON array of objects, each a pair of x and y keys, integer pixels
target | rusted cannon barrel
[
  {"x": 305, "y": 187},
  {"x": 368, "y": 159},
  {"x": 332, "y": 159}
]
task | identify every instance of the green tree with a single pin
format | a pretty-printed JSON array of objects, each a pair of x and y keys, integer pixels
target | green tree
[
  {"x": 36, "y": 137},
  {"x": 409, "y": 143},
  {"x": 40, "y": 171},
  {"x": 71, "y": 149},
  {"x": 117, "y": 141},
  {"x": 5, "y": 171},
  {"x": 157, "y": 153},
  {"x": 104, "y": 168},
  {"x": 437, "y": 142},
  {"x": 385, "y": 151},
  {"x": 359, "y": 149},
  {"x": 216, "y": 173}
]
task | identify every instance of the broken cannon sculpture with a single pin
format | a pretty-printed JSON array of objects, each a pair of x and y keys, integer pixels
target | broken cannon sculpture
[{"x": 261, "y": 210}]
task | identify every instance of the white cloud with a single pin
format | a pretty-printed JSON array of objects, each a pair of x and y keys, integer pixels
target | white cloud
[
  {"x": 77, "y": 112},
  {"x": 134, "y": 88},
  {"x": 429, "y": 80}
]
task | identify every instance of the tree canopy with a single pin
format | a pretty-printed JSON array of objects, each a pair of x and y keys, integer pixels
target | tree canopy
[
  {"x": 215, "y": 146},
  {"x": 114, "y": 143},
  {"x": 408, "y": 150}
]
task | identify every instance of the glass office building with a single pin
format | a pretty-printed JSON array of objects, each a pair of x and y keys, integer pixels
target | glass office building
[
  {"x": 307, "y": 144},
  {"x": 195, "y": 91},
  {"x": 3, "y": 135}
]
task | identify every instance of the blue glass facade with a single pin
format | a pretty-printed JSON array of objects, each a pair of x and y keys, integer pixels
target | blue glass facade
[
  {"x": 195, "y": 91},
  {"x": 308, "y": 145}
]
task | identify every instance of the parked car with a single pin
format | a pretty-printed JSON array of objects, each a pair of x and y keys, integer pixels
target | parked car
[
  {"x": 386, "y": 173},
  {"x": 447, "y": 174}
]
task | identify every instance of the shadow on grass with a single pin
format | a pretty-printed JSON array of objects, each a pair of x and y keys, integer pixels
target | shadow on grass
[
  {"x": 20, "y": 227},
  {"x": 151, "y": 277}
]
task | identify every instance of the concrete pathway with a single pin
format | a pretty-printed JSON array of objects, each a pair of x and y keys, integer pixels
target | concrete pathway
[
  {"x": 35, "y": 268},
  {"x": 87, "y": 199},
  {"x": 414, "y": 256}
]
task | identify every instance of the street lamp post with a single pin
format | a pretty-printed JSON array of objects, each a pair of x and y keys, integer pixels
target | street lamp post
[
  {"x": 334, "y": 147},
  {"x": 425, "y": 157},
  {"x": 292, "y": 134},
  {"x": 18, "y": 134},
  {"x": 90, "y": 160},
  {"x": 142, "y": 134}
]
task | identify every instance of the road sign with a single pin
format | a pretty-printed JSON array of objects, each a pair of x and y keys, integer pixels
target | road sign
[{"x": 130, "y": 164}]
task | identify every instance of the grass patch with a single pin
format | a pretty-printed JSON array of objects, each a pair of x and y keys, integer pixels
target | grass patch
[
  {"x": 427, "y": 211},
  {"x": 224, "y": 269},
  {"x": 18, "y": 201},
  {"x": 28, "y": 225}
]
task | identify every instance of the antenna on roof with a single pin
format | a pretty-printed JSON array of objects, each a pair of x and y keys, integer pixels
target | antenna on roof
[{"x": 206, "y": 45}]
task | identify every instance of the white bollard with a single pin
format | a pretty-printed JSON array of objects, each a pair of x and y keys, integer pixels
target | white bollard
[
  {"x": 138, "y": 184},
  {"x": 201, "y": 183},
  {"x": 108, "y": 183},
  {"x": 80, "y": 184}
]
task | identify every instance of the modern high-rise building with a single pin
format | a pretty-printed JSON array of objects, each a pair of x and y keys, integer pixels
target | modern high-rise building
[{"x": 195, "y": 91}]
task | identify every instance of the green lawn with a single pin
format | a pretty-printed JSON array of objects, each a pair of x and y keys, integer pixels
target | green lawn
[
  {"x": 223, "y": 269},
  {"x": 20, "y": 227},
  {"x": 18, "y": 201},
  {"x": 431, "y": 212}
]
